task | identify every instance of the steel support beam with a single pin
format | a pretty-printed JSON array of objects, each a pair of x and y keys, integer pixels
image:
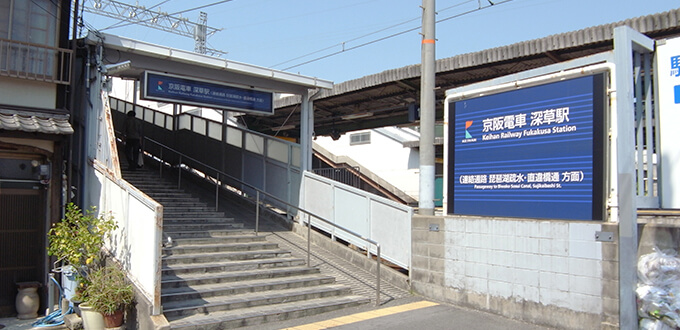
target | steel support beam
[{"x": 626, "y": 42}]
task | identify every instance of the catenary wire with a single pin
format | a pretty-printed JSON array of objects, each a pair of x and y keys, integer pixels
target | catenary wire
[
  {"x": 366, "y": 35},
  {"x": 391, "y": 36}
]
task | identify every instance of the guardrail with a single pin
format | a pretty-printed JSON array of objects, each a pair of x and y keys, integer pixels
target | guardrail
[
  {"x": 35, "y": 62},
  {"x": 218, "y": 181}
]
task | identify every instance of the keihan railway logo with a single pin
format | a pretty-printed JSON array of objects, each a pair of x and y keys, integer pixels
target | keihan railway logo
[{"x": 468, "y": 137}]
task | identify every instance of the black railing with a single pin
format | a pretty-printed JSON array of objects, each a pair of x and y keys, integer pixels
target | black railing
[
  {"x": 346, "y": 175},
  {"x": 221, "y": 181}
]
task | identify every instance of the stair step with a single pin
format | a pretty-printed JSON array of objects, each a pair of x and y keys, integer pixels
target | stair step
[
  {"x": 174, "y": 281},
  {"x": 262, "y": 314},
  {"x": 226, "y": 225},
  {"x": 202, "y": 214},
  {"x": 217, "y": 275},
  {"x": 180, "y": 295},
  {"x": 168, "y": 194},
  {"x": 179, "y": 200},
  {"x": 189, "y": 221},
  {"x": 216, "y": 304},
  {"x": 223, "y": 256},
  {"x": 177, "y": 207},
  {"x": 225, "y": 266},
  {"x": 181, "y": 234},
  {"x": 234, "y": 237},
  {"x": 224, "y": 247}
]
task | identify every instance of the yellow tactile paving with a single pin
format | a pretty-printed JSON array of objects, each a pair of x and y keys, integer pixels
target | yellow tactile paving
[{"x": 344, "y": 320}]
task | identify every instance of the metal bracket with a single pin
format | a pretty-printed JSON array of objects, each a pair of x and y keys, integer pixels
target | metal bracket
[
  {"x": 604, "y": 236},
  {"x": 434, "y": 227}
]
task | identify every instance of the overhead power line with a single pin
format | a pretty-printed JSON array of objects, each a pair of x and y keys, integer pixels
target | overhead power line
[{"x": 346, "y": 49}]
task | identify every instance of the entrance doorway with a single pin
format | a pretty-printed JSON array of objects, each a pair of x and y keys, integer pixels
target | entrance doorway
[{"x": 22, "y": 230}]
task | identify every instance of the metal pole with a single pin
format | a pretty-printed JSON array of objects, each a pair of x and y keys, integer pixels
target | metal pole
[
  {"x": 377, "y": 279},
  {"x": 309, "y": 241},
  {"x": 257, "y": 212},
  {"x": 625, "y": 39},
  {"x": 179, "y": 173},
  {"x": 161, "y": 163},
  {"x": 305, "y": 135},
  {"x": 427, "y": 111},
  {"x": 217, "y": 192}
]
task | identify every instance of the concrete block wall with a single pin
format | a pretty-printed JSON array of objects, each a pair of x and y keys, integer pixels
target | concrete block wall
[{"x": 553, "y": 273}]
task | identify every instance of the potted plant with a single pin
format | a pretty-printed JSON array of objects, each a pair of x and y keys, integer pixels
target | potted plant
[
  {"x": 77, "y": 241},
  {"x": 109, "y": 292}
]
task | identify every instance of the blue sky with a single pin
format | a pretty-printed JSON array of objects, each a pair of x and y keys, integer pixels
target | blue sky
[{"x": 279, "y": 33}]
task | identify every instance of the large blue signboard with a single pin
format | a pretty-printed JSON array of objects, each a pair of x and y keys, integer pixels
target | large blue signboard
[
  {"x": 174, "y": 89},
  {"x": 535, "y": 152}
]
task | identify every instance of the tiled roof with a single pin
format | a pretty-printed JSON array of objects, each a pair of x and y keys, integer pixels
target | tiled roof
[{"x": 45, "y": 123}]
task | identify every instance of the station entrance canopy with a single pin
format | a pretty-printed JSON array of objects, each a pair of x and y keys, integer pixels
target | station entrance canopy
[
  {"x": 230, "y": 85},
  {"x": 144, "y": 56}
]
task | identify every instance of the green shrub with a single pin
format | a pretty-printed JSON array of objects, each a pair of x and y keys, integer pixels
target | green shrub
[
  {"x": 78, "y": 238},
  {"x": 109, "y": 290}
]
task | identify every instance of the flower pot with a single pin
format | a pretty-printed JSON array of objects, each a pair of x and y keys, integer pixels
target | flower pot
[
  {"x": 92, "y": 320},
  {"x": 114, "y": 320},
  {"x": 27, "y": 301}
]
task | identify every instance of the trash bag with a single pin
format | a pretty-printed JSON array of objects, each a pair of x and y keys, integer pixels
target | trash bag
[
  {"x": 658, "y": 290},
  {"x": 649, "y": 324},
  {"x": 659, "y": 268}
]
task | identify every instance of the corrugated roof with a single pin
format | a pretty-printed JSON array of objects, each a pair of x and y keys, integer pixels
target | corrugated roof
[
  {"x": 388, "y": 95},
  {"x": 47, "y": 124},
  {"x": 654, "y": 23}
]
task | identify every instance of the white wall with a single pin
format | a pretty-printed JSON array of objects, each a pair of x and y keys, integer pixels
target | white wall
[
  {"x": 384, "y": 156},
  {"x": 548, "y": 262},
  {"x": 544, "y": 272},
  {"x": 27, "y": 93}
]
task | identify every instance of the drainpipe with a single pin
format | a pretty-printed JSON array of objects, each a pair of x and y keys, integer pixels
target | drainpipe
[{"x": 72, "y": 102}]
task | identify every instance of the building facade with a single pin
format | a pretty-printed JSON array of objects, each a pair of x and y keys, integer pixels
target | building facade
[{"x": 35, "y": 74}]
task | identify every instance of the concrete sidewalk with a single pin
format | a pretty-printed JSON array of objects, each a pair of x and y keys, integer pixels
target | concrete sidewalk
[
  {"x": 402, "y": 314},
  {"x": 13, "y": 323}
]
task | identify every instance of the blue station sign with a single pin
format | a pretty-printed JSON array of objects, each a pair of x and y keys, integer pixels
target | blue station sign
[
  {"x": 534, "y": 152},
  {"x": 175, "y": 89}
]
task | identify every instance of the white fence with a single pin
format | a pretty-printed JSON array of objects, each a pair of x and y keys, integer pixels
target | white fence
[
  {"x": 366, "y": 214},
  {"x": 136, "y": 244}
]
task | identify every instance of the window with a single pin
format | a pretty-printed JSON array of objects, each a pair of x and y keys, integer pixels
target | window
[
  {"x": 360, "y": 138},
  {"x": 33, "y": 22}
]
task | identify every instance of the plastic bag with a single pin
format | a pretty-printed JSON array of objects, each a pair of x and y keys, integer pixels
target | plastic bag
[
  {"x": 659, "y": 268},
  {"x": 649, "y": 324},
  {"x": 140, "y": 159},
  {"x": 658, "y": 290}
]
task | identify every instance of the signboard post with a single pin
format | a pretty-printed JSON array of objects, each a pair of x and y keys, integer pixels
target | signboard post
[
  {"x": 534, "y": 152},
  {"x": 176, "y": 89}
]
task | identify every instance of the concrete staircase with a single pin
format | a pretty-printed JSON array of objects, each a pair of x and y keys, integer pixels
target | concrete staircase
[{"x": 217, "y": 274}]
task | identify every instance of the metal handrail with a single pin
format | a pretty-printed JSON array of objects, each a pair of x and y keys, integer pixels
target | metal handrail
[{"x": 257, "y": 208}]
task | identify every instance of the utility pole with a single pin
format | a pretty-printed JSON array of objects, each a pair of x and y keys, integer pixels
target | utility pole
[{"x": 427, "y": 111}]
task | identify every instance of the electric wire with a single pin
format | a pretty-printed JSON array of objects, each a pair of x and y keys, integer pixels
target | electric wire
[
  {"x": 366, "y": 35},
  {"x": 392, "y": 36}
]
